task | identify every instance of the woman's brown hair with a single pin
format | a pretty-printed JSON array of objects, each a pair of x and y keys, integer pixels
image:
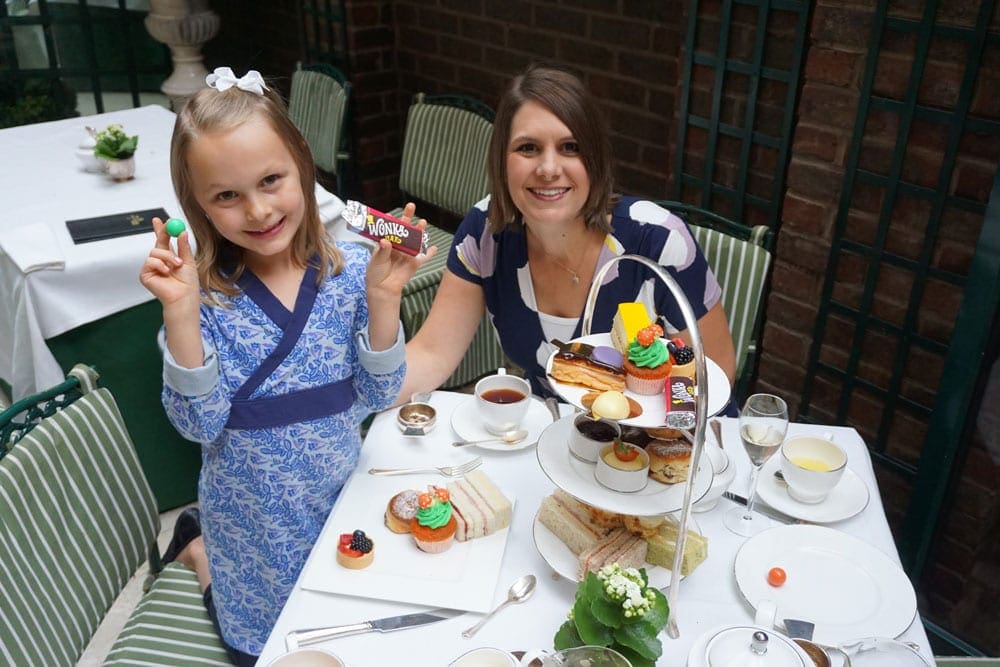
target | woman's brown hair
[
  {"x": 219, "y": 261},
  {"x": 565, "y": 95}
]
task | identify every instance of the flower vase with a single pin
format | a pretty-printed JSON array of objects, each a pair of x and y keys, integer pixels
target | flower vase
[{"x": 120, "y": 170}]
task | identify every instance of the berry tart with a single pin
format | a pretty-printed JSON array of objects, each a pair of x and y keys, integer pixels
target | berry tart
[
  {"x": 433, "y": 527},
  {"x": 682, "y": 357},
  {"x": 356, "y": 550},
  {"x": 647, "y": 363}
]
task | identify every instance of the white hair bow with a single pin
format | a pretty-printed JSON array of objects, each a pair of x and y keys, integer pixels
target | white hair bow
[{"x": 224, "y": 79}]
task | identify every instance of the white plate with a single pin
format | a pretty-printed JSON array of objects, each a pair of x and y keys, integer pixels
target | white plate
[
  {"x": 466, "y": 424},
  {"x": 847, "y": 587},
  {"x": 654, "y": 411},
  {"x": 576, "y": 478},
  {"x": 566, "y": 563},
  {"x": 463, "y": 577},
  {"x": 849, "y": 497}
]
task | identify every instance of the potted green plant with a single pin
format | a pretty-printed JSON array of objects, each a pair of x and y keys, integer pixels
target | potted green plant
[
  {"x": 117, "y": 149},
  {"x": 617, "y": 608}
]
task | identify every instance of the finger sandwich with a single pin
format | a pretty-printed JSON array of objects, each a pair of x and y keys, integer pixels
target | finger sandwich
[{"x": 479, "y": 507}]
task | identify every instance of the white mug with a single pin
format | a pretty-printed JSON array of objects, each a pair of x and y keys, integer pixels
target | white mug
[
  {"x": 502, "y": 401},
  {"x": 485, "y": 657},
  {"x": 307, "y": 657},
  {"x": 812, "y": 467}
]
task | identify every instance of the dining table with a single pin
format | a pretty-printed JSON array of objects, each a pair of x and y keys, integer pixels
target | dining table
[{"x": 708, "y": 598}]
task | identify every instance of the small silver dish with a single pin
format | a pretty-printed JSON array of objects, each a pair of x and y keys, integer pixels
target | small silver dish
[{"x": 416, "y": 418}]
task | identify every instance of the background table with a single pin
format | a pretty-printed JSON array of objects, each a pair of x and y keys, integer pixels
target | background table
[
  {"x": 93, "y": 309},
  {"x": 708, "y": 597}
]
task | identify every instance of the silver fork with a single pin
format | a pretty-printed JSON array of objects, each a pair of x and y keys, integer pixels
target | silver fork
[{"x": 447, "y": 471}]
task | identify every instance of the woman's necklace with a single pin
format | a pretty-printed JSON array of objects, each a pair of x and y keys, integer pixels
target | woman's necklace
[{"x": 573, "y": 273}]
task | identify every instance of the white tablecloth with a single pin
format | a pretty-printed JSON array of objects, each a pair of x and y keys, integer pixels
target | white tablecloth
[
  {"x": 708, "y": 597},
  {"x": 44, "y": 184}
]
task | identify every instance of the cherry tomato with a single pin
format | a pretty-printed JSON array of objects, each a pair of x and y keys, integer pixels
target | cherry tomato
[{"x": 776, "y": 576}]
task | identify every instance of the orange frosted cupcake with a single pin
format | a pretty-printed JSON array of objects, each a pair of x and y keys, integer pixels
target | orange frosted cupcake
[
  {"x": 647, "y": 362},
  {"x": 433, "y": 527}
]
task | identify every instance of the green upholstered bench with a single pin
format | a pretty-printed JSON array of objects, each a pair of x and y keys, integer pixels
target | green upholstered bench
[{"x": 77, "y": 519}]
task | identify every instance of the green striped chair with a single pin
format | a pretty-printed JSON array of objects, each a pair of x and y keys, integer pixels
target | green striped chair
[
  {"x": 77, "y": 518},
  {"x": 444, "y": 164},
  {"x": 317, "y": 105},
  {"x": 740, "y": 258}
]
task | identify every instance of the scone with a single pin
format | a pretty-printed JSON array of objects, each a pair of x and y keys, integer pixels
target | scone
[{"x": 669, "y": 460}]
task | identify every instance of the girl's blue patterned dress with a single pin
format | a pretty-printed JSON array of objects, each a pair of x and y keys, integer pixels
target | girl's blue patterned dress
[{"x": 265, "y": 492}]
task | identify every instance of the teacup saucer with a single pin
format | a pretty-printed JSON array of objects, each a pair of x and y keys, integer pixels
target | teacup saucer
[
  {"x": 466, "y": 424},
  {"x": 849, "y": 497}
]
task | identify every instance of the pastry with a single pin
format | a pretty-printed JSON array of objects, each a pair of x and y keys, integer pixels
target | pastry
[
  {"x": 574, "y": 363},
  {"x": 400, "y": 511},
  {"x": 622, "y": 467},
  {"x": 682, "y": 357},
  {"x": 433, "y": 526},
  {"x": 620, "y": 547},
  {"x": 587, "y": 401},
  {"x": 663, "y": 546},
  {"x": 669, "y": 460},
  {"x": 355, "y": 551},
  {"x": 612, "y": 405},
  {"x": 479, "y": 508},
  {"x": 647, "y": 363},
  {"x": 629, "y": 319}
]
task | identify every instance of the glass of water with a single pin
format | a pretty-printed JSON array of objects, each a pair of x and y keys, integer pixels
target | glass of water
[{"x": 763, "y": 423}]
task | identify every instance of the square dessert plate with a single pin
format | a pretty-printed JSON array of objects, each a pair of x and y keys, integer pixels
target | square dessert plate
[{"x": 463, "y": 577}]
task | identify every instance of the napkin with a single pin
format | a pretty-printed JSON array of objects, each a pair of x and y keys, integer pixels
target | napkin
[
  {"x": 330, "y": 205},
  {"x": 32, "y": 247}
]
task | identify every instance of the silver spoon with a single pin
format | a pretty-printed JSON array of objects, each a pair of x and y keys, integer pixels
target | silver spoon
[
  {"x": 519, "y": 591},
  {"x": 509, "y": 437}
]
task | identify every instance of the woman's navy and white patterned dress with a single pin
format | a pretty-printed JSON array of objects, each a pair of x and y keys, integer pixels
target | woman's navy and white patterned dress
[
  {"x": 265, "y": 493},
  {"x": 499, "y": 263}
]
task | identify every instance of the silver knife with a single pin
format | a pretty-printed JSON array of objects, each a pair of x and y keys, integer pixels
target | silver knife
[
  {"x": 297, "y": 638},
  {"x": 763, "y": 509}
]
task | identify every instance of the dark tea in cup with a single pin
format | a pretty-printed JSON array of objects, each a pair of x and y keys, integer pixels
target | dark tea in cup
[{"x": 502, "y": 396}]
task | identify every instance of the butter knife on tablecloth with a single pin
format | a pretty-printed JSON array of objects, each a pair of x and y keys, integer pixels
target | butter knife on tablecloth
[
  {"x": 297, "y": 638},
  {"x": 763, "y": 509}
]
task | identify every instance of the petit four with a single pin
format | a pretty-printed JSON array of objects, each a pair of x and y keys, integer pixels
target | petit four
[
  {"x": 400, "y": 511},
  {"x": 355, "y": 551},
  {"x": 647, "y": 363},
  {"x": 574, "y": 363},
  {"x": 629, "y": 318},
  {"x": 622, "y": 467},
  {"x": 612, "y": 405},
  {"x": 433, "y": 525}
]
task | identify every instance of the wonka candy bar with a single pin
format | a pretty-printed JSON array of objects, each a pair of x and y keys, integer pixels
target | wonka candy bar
[
  {"x": 680, "y": 402},
  {"x": 376, "y": 225}
]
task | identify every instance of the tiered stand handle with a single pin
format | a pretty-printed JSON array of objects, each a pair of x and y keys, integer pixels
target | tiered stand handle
[{"x": 701, "y": 403}]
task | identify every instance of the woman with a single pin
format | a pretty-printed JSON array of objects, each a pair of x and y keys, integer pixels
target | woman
[{"x": 529, "y": 252}]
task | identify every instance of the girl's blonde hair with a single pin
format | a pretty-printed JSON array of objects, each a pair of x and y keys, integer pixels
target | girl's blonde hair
[{"x": 220, "y": 263}]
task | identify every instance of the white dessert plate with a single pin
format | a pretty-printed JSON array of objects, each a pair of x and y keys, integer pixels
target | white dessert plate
[
  {"x": 654, "y": 412},
  {"x": 463, "y": 577},
  {"x": 849, "y": 497},
  {"x": 576, "y": 478},
  {"x": 467, "y": 426},
  {"x": 844, "y": 585},
  {"x": 565, "y": 563}
]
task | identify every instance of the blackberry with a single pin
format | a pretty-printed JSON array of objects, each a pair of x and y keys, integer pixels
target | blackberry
[
  {"x": 362, "y": 544},
  {"x": 671, "y": 347},
  {"x": 684, "y": 355}
]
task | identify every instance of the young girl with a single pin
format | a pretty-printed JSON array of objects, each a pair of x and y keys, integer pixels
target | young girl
[{"x": 278, "y": 344}]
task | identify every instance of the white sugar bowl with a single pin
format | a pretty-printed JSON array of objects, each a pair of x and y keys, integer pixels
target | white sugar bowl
[{"x": 85, "y": 153}]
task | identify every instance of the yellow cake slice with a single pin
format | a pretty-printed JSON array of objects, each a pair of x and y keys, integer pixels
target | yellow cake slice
[
  {"x": 630, "y": 318},
  {"x": 663, "y": 545}
]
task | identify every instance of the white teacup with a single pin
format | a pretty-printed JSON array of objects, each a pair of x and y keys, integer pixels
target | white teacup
[
  {"x": 812, "y": 467},
  {"x": 485, "y": 657},
  {"x": 502, "y": 401},
  {"x": 307, "y": 657}
]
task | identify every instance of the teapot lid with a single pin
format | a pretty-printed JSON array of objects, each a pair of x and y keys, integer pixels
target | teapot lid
[{"x": 750, "y": 646}]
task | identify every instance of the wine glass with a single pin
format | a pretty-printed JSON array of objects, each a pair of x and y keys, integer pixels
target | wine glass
[{"x": 763, "y": 423}]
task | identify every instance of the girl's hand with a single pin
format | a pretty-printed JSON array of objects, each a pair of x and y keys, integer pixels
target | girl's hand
[
  {"x": 172, "y": 278},
  {"x": 389, "y": 270}
]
